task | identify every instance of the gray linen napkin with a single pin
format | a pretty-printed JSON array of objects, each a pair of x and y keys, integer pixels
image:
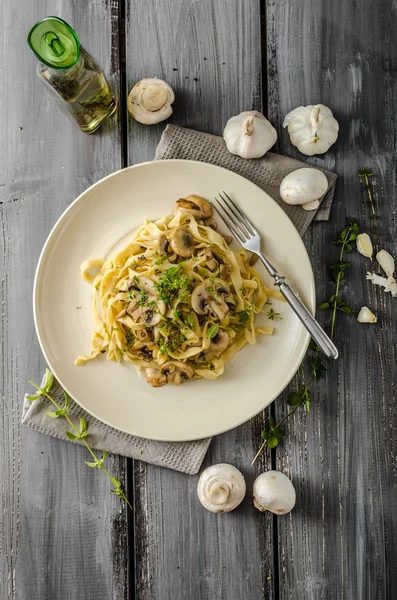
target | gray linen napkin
[{"x": 267, "y": 173}]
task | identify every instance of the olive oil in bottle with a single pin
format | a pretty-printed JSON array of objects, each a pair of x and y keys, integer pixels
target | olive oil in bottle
[{"x": 71, "y": 74}]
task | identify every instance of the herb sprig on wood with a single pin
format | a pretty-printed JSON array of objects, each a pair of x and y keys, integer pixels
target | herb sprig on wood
[
  {"x": 272, "y": 432},
  {"x": 76, "y": 433}
]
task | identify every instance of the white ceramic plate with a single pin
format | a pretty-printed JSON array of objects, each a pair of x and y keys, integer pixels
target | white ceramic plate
[{"x": 100, "y": 222}]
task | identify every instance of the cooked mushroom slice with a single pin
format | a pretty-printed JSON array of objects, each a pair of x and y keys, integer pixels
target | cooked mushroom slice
[
  {"x": 154, "y": 377},
  {"x": 150, "y": 313},
  {"x": 253, "y": 259},
  {"x": 145, "y": 354},
  {"x": 209, "y": 296},
  {"x": 224, "y": 270},
  {"x": 228, "y": 238},
  {"x": 196, "y": 206},
  {"x": 211, "y": 223},
  {"x": 142, "y": 335},
  {"x": 218, "y": 344},
  {"x": 163, "y": 244},
  {"x": 182, "y": 242},
  {"x": 210, "y": 260},
  {"x": 176, "y": 371}
]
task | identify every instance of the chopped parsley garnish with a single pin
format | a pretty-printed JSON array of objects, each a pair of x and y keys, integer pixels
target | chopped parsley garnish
[
  {"x": 189, "y": 320},
  {"x": 133, "y": 265},
  {"x": 273, "y": 315},
  {"x": 213, "y": 330},
  {"x": 243, "y": 316},
  {"x": 173, "y": 336},
  {"x": 161, "y": 260},
  {"x": 129, "y": 337},
  {"x": 131, "y": 295},
  {"x": 173, "y": 284}
]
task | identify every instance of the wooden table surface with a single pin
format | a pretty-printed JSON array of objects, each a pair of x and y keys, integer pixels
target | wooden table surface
[{"x": 62, "y": 534}]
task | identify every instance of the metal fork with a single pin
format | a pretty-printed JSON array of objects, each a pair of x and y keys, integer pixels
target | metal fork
[{"x": 249, "y": 238}]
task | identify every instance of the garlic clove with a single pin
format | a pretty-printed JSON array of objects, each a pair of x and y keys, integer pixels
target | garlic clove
[
  {"x": 304, "y": 186},
  {"x": 366, "y": 316},
  {"x": 249, "y": 134},
  {"x": 221, "y": 488},
  {"x": 386, "y": 261},
  {"x": 150, "y": 101},
  {"x": 313, "y": 129},
  {"x": 364, "y": 245},
  {"x": 377, "y": 279},
  {"x": 311, "y": 205},
  {"x": 273, "y": 491}
]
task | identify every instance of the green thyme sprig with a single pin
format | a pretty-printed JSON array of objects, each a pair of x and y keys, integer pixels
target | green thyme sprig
[
  {"x": 272, "y": 433},
  {"x": 78, "y": 432},
  {"x": 335, "y": 303},
  {"x": 365, "y": 177}
]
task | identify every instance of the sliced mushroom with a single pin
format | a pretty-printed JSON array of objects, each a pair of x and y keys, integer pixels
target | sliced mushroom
[
  {"x": 253, "y": 259},
  {"x": 209, "y": 296},
  {"x": 228, "y": 238},
  {"x": 145, "y": 355},
  {"x": 151, "y": 313},
  {"x": 211, "y": 262},
  {"x": 163, "y": 244},
  {"x": 218, "y": 344},
  {"x": 224, "y": 270},
  {"x": 196, "y": 206},
  {"x": 176, "y": 371},
  {"x": 154, "y": 377},
  {"x": 142, "y": 335},
  {"x": 182, "y": 242}
]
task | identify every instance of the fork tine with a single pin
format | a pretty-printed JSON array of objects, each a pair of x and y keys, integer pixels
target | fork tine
[
  {"x": 248, "y": 223},
  {"x": 231, "y": 221},
  {"x": 227, "y": 222},
  {"x": 235, "y": 217}
]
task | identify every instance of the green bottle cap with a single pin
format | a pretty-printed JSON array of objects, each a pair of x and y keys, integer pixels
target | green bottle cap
[{"x": 54, "y": 43}]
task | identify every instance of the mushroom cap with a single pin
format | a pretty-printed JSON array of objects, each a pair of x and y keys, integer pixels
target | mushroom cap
[
  {"x": 303, "y": 186},
  {"x": 273, "y": 491},
  {"x": 204, "y": 299},
  {"x": 221, "y": 488},
  {"x": 218, "y": 344},
  {"x": 150, "y": 100},
  {"x": 182, "y": 242},
  {"x": 155, "y": 377},
  {"x": 197, "y": 206},
  {"x": 145, "y": 314},
  {"x": 176, "y": 371}
]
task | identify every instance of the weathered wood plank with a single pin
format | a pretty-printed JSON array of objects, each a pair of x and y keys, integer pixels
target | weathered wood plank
[
  {"x": 62, "y": 534},
  {"x": 210, "y": 54},
  {"x": 340, "y": 541}
]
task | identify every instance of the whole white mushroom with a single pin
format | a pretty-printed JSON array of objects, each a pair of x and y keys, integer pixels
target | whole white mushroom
[
  {"x": 150, "y": 100},
  {"x": 304, "y": 186},
  {"x": 273, "y": 491},
  {"x": 221, "y": 488}
]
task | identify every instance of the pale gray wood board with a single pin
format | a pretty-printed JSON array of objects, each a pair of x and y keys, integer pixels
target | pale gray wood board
[
  {"x": 62, "y": 533},
  {"x": 210, "y": 53},
  {"x": 340, "y": 541}
]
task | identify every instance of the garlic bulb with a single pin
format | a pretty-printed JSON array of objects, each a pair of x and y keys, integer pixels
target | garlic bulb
[
  {"x": 366, "y": 316},
  {"x": 304, "y": 186},
  {"x": 150, "y": 100},
  {"x": 274, "y": 491},
  {"x": 364, "y": 245},
  {"x": 249, "y": 134},
  {"x": 221, "y": 488},
  {"x": 386, "y": 261},
  {"x": 313, "y": 129}
]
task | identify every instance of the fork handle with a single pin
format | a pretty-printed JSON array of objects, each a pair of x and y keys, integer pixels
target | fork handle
[{"x": 316, "y": 331}]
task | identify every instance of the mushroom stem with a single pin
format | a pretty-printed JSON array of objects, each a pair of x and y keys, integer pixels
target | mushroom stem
[{"x": 218, "y": 492}]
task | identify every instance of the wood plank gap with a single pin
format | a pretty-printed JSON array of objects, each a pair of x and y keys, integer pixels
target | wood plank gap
[
  {"x": 123, "y": 87},
  {"x": 262, "y": 8}
]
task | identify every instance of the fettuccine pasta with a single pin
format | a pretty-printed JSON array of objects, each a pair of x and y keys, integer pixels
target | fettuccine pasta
[{"x": 177, "y": 301}]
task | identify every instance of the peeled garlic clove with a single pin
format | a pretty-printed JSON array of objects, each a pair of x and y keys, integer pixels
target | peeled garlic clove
[
  {"x": 386, "y": 261},
  {"x": 304, "y": 186},
  {"x": 366, "y": 316},
  {"x": 249, "y": 134},
  {"x": 275, "y": 492},
  {"x": 364, "y": 245},
  {"x": 150, "y": 100},
  {"x": 221, "y": 488},
  {"x": 313, "y": 129}
]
